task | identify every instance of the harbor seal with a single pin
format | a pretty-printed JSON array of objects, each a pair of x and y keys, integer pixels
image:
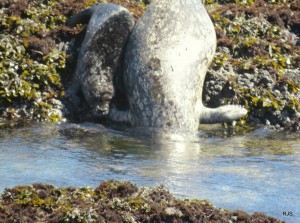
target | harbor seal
[
  {"x": 98, "y": 70},
  {"x": 166, "y": 59},
  {"x": 165, "y": 62}
]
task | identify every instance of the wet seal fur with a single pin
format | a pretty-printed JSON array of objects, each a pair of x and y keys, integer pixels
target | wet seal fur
[
  {"x": 165, "y": 63},
  {"x": 98, "y": 70}
]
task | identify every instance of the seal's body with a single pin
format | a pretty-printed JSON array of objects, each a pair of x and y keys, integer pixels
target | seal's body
[
  {"x": 98, "y": 68},
  {"x": 167, "y": 56},
  {"x": 166, "y": 59}
]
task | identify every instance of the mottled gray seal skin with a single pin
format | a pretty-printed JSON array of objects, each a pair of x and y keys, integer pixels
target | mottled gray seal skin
[
  {"x": 165, "y": 62},
  {"x": 99, "y": 64},
  {"x": 166, "y": 59}
]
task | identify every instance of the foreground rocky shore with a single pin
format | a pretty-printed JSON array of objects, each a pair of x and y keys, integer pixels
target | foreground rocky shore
[{"x": 113, "y": 202}]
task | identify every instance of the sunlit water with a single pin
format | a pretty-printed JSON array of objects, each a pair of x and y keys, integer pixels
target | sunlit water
[{"x": 259, "y": 171}]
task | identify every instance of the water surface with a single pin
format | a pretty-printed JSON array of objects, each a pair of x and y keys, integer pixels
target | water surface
[{"x": 258, "y": 171}]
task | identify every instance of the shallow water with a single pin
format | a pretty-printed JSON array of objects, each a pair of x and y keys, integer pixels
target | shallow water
[{"x": 258, "y": 171}]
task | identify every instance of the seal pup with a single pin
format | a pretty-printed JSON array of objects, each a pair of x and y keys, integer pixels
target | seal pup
[
  {"x": 98, "y": 70},
  {"x": 166, "y": 59}
]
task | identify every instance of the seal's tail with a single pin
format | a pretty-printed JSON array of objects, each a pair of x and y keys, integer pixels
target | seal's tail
[{"x": 225, "y": 113}]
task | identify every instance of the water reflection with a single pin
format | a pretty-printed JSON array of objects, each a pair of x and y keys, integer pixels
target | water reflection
[{"x": 258, "y": 171}]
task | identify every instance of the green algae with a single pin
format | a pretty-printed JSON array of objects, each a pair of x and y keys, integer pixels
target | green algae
[
  {"x": 256, "y": 43},
  {"x": 111, "y": 201},
  {"x": 33, "y": 56}
]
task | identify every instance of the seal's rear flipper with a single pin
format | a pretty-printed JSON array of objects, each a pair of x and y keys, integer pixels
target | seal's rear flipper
[{"x": 225, "y": 113}]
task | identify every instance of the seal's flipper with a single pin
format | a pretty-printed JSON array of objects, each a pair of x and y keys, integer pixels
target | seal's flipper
[
  {"x": 100, "y": 55},
  {"x": 225, "y": 113}
]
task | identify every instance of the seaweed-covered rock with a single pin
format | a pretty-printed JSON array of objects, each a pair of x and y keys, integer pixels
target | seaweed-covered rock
[
  {"x": 256, "y": 64},
  {"x": 113, "y": 202},
  {"x": 257, "y": 60},
  {"x": 38, "y": 55}
]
